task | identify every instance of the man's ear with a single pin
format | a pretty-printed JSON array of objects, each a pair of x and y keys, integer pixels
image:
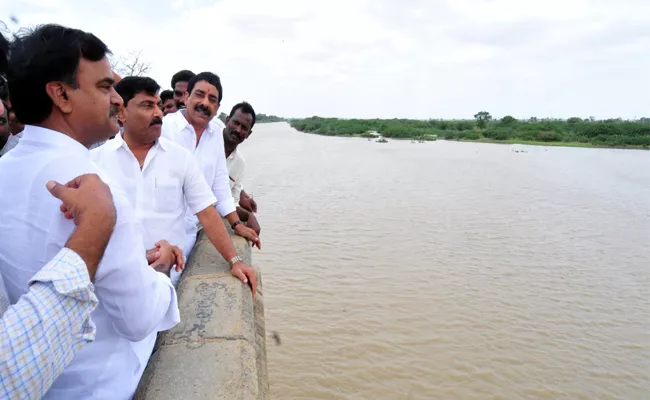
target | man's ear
[
  {"x": 59, "y": 93},
  {"x": 186, "y": 97},
  {"x": 227, "y": 120}
]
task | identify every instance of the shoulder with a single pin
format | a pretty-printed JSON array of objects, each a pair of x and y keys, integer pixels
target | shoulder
[
  {"x": 174, "y": 148},
  {"x": 217, "y": 124},
  {"x": 170, "y": 122}
]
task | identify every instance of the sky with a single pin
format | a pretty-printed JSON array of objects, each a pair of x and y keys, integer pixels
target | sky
[{"x": 385, "y": 58}]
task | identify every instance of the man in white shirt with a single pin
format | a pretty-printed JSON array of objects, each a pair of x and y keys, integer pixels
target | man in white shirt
[
  {"x": 62, "y": 89},
  {"x": 196, "y": 129},
  {"x": 160, "y": 177},
  {"x": 239, "y": 127}
]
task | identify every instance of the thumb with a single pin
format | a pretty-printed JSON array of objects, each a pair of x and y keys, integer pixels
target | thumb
[{"x": 56, "y": 189}]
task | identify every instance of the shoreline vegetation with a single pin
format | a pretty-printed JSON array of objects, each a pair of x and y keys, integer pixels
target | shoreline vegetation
[{"x": 573, "y": 132}]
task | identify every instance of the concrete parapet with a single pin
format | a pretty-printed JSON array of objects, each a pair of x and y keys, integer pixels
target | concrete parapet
[{"x": 218, "y": 350}]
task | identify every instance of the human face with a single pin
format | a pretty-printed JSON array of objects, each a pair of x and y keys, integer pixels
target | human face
[
  {"x": 92, "y": 107},
  {"x": 169, "y": 106},
  {"x": 179, "y": 94},
  {"x": 4, "y": 122},
  {"x": 15, "y": 126},
  {"x": 142, "y": 118},
  {"x": 238, "y": 128},
  {"x": 202, "y": 103}
]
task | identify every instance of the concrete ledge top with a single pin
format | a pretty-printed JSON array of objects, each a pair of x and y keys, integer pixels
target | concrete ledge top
[{"x": 218, "y": 350}]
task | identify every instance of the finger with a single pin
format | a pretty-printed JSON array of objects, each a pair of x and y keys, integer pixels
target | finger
[
  {"x": 180, "y": 258},
  {"x": 63, "y": 208},
  {"x": 76, "y": 182},
  {"x": 253, "y": 280},
  {"x": 57, "y": 190},
  {"x": 241, "y": 275},
  {"x": 68, "y": 215},
  {"x": 153, "y": 257}
]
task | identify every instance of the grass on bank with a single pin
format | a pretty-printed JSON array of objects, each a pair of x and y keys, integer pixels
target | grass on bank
[{"x": 574, "y": 132}]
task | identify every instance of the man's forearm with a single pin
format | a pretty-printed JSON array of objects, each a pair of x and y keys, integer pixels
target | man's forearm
[
  {"x": 243, "y": 214},
  {"x": 41, "y": 333},
  {"x": 216, "y": 232},
  {"x": 231, "y": 218}
]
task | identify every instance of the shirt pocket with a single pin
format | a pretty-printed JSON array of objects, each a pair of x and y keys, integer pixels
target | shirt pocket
[{"x": 167, "y": 196}]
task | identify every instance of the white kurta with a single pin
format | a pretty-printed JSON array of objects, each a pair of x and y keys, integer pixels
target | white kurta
[
  {"x": 236, "y": 167},
  {"x": 211, "y": 157},
  {"x": 134, "y": 300}
]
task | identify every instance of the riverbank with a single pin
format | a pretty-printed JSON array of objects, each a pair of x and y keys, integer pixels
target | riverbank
[{"x": 567, "y": 133}]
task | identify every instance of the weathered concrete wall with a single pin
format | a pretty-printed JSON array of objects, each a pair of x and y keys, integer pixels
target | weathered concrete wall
[{"x": 218, "y": 351}]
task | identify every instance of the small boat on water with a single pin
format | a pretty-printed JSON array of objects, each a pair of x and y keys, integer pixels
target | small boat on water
[{"x": 382, "y": 140}]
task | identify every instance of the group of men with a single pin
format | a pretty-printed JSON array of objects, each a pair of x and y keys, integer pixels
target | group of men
[{"x": 93, "y": 242}]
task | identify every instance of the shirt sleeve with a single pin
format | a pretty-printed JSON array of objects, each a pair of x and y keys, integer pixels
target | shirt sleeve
[
  {"x": 220, "y": 184},
  {"x": 40, "y": 334},
  {"x": 196, "y": 190}
]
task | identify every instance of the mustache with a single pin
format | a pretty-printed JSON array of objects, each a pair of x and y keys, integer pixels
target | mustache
[
  {"x": 156, "y": 121},
  {"x": 114, "y": 110},
  {"x": 202, "y": 109}
]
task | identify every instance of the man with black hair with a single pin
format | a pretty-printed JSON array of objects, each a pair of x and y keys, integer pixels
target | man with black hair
[
  {"x": 61, "y": 85},
  {"x": 196, "y": 129},
  {"x": 179, "y": 86},
  {"x": 239, "y": 127},
  {"x": 168, "y": 104},
  {"x": 160, "y": 177}
]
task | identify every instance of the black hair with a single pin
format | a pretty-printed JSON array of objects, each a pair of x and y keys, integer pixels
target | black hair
[
  {"x": 4, "y": 53},
  {"x": 246, "y": 108},
  {"x": 209, "y": 77},
  {"x": 182, "y": 76},
  {"x": 130, "y": 86},
  {"x": 166, "y": 95},
  {"x": 4, "y": 63},
  {"x": 48, "y": 53}
]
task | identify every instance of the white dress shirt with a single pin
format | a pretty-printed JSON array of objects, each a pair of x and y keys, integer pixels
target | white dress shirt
[
  {"x": 209, "y": 153},
  {"x": 134, "y": 300},
  {"x": 170, "y": 179},
  {"x": 236, "y": 167}
]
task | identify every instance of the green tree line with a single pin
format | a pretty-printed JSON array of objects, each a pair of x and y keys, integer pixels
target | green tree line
[{"x": 606, "y": 133}]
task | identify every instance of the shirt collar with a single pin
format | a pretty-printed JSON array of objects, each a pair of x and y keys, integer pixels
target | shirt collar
[
  {"x": 232, "y": 155},
  {"x": 118, "y": 141},
  {"x": 53, "y": 139},
  {"x": 182, "y": 123}
]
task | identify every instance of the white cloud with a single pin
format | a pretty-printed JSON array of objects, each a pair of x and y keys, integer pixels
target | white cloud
[{"x": 387, "y": 58}]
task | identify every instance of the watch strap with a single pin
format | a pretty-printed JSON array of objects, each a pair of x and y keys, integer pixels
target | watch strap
[
  {"x": 234, "y": 224},
  {"x": 234, "y": 260}
]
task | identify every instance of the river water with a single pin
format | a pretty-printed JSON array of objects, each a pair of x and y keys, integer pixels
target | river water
[{"x": 450, "y": 270}]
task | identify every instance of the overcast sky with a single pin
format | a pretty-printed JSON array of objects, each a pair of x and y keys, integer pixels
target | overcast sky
[{"x": 385, "y": 58}]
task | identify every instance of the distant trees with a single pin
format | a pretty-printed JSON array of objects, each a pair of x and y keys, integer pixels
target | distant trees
[
  {"x": 261, "y": 118},
  {"x": 133, "y": 64},
  {"x": 607, "y": 133},
  {"x": 223, "y": 116},
  {"x": 508, "y": 119},
  {"x": 482, "y": 119}
]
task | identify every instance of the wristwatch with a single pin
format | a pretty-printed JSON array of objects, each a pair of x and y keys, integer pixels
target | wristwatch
[
  {"x": 234, "y": 224},
  {"x": 234, "y": 261}
]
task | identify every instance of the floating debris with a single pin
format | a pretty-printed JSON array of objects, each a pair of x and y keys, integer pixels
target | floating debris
[{"x": 276, "y": 336}]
